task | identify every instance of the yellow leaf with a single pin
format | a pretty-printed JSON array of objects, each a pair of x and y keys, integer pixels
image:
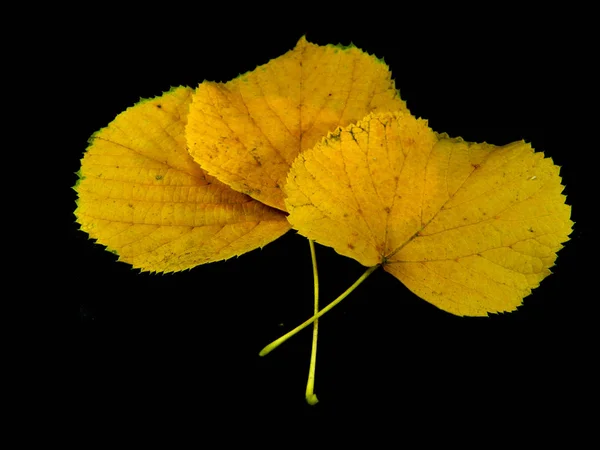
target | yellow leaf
[
  {"x": 471, "y": 228},
  {"x": 248, "y": 131},
  {"x": 142, "y": 195}
]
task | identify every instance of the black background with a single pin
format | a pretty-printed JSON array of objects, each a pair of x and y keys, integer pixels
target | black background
[{"x": 162, "y": 350}]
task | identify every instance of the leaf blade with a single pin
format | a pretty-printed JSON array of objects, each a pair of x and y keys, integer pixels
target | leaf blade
[
  {"x": 471, "y": 228},
  {"x": 141, "y": 195},
  {"x": 248, "y": 131}
]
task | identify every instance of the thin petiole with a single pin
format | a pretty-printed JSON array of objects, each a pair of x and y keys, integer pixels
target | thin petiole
[
  {"x": 276, "y": 343},
  {"x": 311, "y": 398}
]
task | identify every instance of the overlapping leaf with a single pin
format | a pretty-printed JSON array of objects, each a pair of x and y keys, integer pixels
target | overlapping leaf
[
  {"x": 142, "y": 195},
  {"x": 471, "y": 228},
  {"x": 248, "y": 131}
]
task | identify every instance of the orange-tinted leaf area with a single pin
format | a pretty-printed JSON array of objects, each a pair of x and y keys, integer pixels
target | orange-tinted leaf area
[{"x": 248, "y": 131}]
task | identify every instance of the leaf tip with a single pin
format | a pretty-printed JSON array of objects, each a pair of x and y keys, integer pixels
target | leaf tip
[{"x": 302, "y": 41}]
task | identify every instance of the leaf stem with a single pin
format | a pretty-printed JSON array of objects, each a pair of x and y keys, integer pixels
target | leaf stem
[
  {"x": 311, "y": 398},
  {"x": 276, "y": 343}
]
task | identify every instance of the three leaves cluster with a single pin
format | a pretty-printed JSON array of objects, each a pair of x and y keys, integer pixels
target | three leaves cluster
[{"x": 320, "y": 141}]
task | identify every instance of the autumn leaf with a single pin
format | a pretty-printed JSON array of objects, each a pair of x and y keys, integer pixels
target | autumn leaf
[
  {"x": 141, "y": 194},
  {"x": 471, "y": 228},
  {"x": 247, "y": 132}
]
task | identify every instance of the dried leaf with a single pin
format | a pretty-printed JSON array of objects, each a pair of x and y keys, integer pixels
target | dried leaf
[
  {"x": 471, "y": 228},
  {"x": 248, "y": 131},
  {"x": 142, "y": 195}
]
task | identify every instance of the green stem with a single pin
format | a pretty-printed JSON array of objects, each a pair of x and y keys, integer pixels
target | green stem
[
  {"x": 276, "y": 343},
  {"x": 311, "y": 398}
]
